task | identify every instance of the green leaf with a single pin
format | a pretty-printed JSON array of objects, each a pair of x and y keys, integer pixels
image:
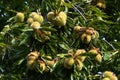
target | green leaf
[
  {"x": 107, "y": 56},
  {"x": 68, "y": 5},
  {"x": 64, "y": 46},
  {"x": 23, "y": 38},
  {"x": 27, "y": 29},
  {"x": 20, "y": 61},
  {"x": 2, "y": 44},
  {"x": 48, "y": 29},
  {"x": 52, "y": 48},
  {"x": 62, "y": 55}
]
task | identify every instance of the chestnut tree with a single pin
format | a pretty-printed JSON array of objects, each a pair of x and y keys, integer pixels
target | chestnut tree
[{"x": 60, "y": 40}]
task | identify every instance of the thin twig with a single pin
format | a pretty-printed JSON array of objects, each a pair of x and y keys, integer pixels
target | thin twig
[
  {"x": 79, "y": 7},
  {"x": 78, "y": 11},
  {"x": 109, "y": 44}
]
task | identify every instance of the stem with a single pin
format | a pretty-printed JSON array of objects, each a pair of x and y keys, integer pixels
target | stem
[
  {"x": 45, "y": 63},
  {"x": 115, "y": 52}
]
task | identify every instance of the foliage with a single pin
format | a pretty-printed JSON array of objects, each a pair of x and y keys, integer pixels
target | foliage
[{"x": 59, "y": 43}]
